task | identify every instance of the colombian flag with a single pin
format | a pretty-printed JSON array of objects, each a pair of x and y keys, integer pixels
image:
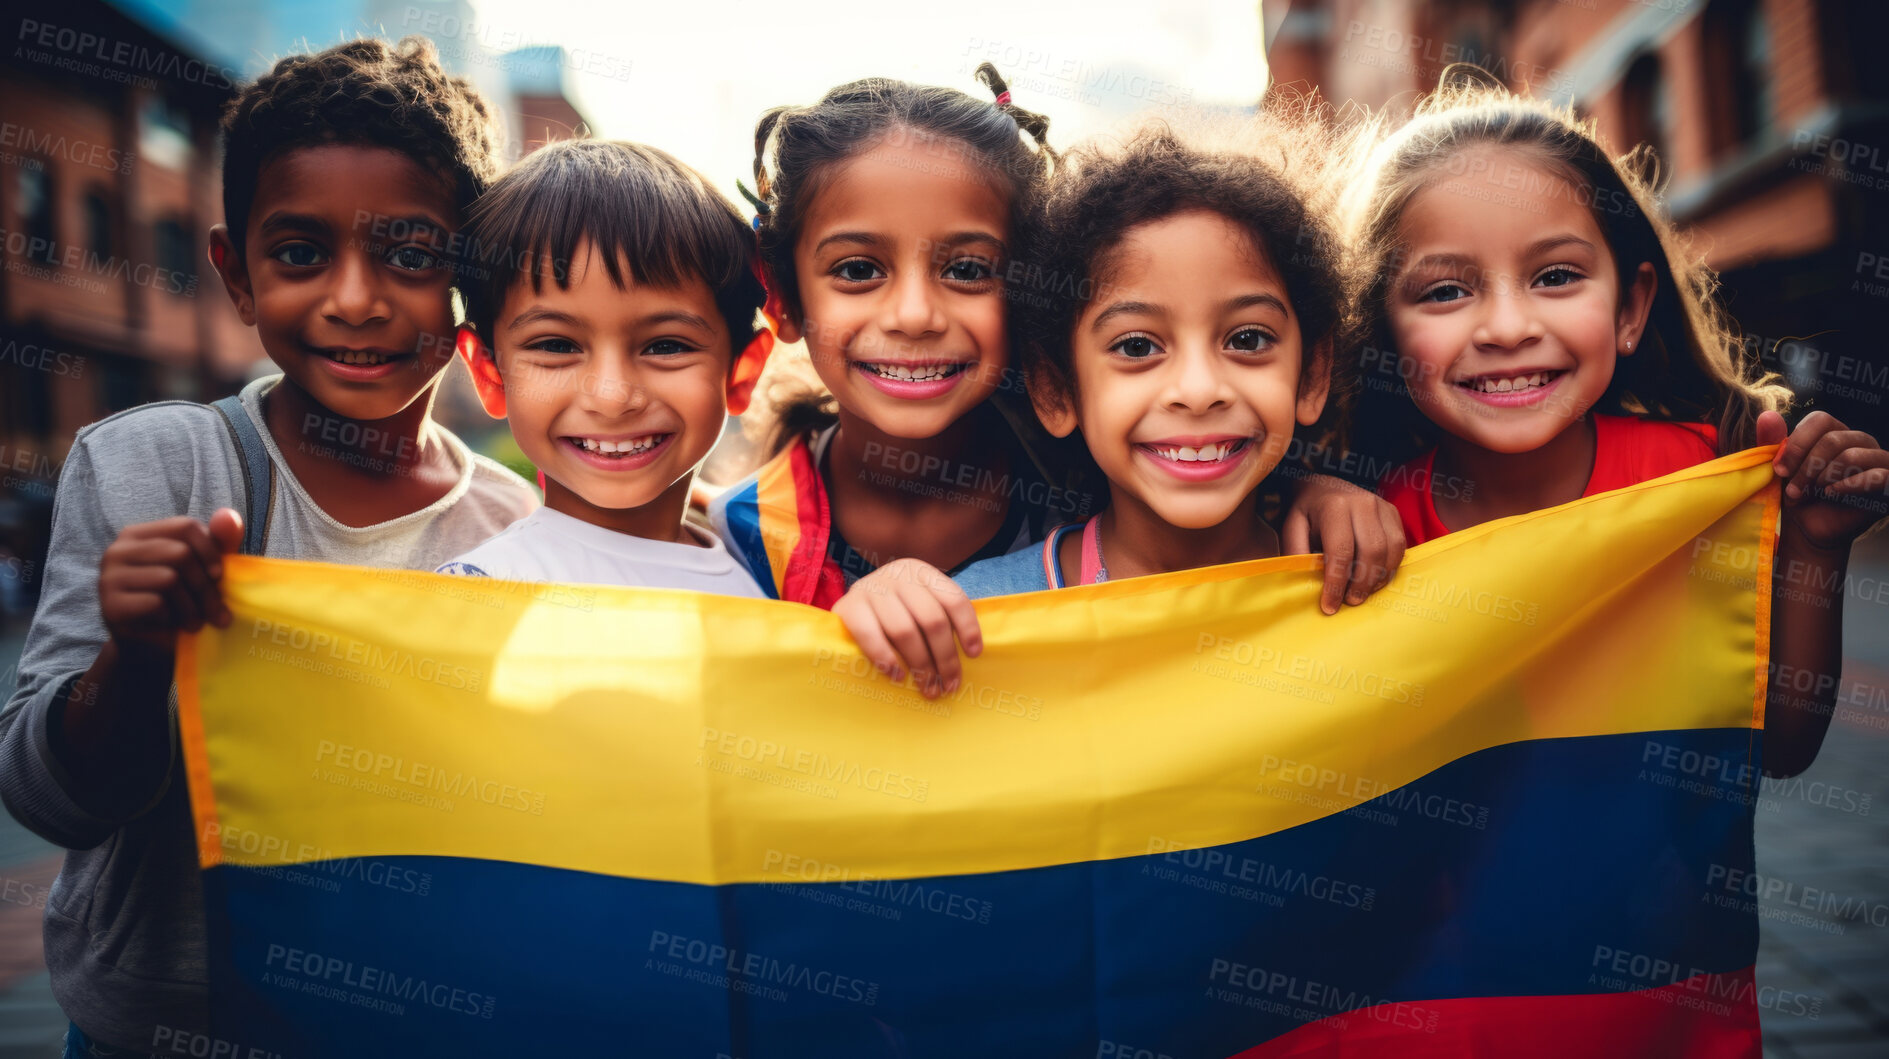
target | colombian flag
[
  {"x": 1504, "y": 808},
  {"x": 780, "y": 524}
]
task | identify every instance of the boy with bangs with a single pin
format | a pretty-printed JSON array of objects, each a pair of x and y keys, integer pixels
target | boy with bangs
[{"x": 611, "y": 288}]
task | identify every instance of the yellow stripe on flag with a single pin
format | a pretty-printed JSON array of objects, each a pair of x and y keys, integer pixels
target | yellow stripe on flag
[
  {"x": 777, "y": 515},
  {"x": 667, "y": 735}
]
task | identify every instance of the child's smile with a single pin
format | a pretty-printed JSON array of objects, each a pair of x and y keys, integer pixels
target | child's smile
[
  {"x": 1195, "y": 458},
  {"x": 615, "y": 392},
  {"x": 899, "y": 270},
  {"x": 1187, "y": 370},
  {"x": 916, "y": 380},
  {"x": 1509, "y": 319},
  {"x": 624, "y": 453},
  {"x": 357, "y": 318},
  {"x": 1513, "y": 388},
  {"x": 360, "y": 365}
]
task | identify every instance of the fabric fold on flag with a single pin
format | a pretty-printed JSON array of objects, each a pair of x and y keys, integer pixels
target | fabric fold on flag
[{"x": 1505, "y": 806}]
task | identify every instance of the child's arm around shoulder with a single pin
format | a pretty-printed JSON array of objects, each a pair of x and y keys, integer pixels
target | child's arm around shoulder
[
  {"x": 1359, "y": 532},
  {"x": 909, "y": 613}
]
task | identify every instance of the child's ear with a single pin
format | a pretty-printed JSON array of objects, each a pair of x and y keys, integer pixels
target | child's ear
[
  {"x": 783, "y": 320},
  {"x": 1054, "y": 408},
  {"x": 1636, "y": 303},
  {"x": 746, "y": 371},
  {"x": 1315, "y": 384},
  {"x": 485, "y": 374},
  {"x": 229, "y": 265},
  {"x": 790, "y": 330}
]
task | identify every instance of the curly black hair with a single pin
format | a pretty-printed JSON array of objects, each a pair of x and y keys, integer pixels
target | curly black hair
[
  {"x": 364, "y": 92},
  {"x": 1102, "y": 190}
]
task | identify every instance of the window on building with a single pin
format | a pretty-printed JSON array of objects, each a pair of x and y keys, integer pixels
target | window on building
[
  {"x": 98, "y": 226},
  {"x": 1646, "y": 107},
  {"x": 35, "y": 201},
  {"x": 27, "y": 402},
  {"x": 164, "y": 133},
  {"x": 175, "y": 250},
  {"x": 126, "y": 382},
  {"x": 1738, "y": 51}
]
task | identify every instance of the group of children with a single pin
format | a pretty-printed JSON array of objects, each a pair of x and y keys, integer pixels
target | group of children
[{"x": 973, "y": 302}]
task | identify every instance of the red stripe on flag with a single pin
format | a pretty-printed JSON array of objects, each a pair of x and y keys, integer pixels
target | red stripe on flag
[
  {"x": 1707, "y": 1016},
  {"x": 802, "y": 580}
]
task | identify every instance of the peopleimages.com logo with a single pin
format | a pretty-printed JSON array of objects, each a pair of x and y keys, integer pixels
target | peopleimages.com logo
[{"x": 84, "y": 52}]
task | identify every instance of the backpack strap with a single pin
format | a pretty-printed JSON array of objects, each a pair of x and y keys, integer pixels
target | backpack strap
[{"x": 258, "y": 472}]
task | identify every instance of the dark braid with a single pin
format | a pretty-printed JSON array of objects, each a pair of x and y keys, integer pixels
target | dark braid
[
  {"x": 364, "y": 92},
  {"x": 1037, "y": 125}
]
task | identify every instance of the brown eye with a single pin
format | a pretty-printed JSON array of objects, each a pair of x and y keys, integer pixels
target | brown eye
[
  {"x": 413, "y": 259},
  {"x": 299, "y": 255},
  {"x": 1250, "y": 340},
  {"x": 857, "y": 270},
  {"x": 1135, "y": 347},
  {"x": 968, "y": 270}
]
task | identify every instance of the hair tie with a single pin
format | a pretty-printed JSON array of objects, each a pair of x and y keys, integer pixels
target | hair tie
[
  {"x": 759, "y": 203},
  {"x": 1003, "y": 98}
]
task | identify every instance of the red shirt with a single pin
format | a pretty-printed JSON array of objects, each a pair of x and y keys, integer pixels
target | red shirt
[{"x": 1627, "y": 451}]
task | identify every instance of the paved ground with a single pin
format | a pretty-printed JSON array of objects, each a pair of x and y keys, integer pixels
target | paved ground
[
  {"x": 1823, "y": 859},
  {"x": 30, "y": 1023}
]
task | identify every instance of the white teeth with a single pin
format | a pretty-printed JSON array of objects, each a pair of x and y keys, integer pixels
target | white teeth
[
  {"x": 1190, "y": 454},
  {"x": 348, "y": 356},
  {"x": 620, "y": 448},
  {"x": 1513, "y": 384},
  {"x": 922, "y": 373}
]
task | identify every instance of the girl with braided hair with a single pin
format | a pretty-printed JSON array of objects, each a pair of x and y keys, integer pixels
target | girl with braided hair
[{"x": 886, "y": 216}]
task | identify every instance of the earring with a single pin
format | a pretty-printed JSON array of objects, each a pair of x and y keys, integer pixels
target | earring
[{"x": 1629, "y": 345}]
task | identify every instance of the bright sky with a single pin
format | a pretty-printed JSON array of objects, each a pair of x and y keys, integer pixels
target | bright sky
[{"x": 700, "y": 72}]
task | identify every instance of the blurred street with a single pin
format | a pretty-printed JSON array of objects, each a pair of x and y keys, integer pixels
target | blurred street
[
  {"x": 30, "y": 1023},
  {"x": 1807, "y": 845}
]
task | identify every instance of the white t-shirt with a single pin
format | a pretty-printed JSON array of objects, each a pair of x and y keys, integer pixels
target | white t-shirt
[{"x": 549, "y": 545}]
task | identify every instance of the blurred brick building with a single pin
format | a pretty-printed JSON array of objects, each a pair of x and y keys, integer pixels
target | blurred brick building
[
  {"x": 1767, "y": 115},
  {"x": 108, "y": 186},
  {"x": 544, "y": 112},
  {"x": 110, "y": 181}
]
